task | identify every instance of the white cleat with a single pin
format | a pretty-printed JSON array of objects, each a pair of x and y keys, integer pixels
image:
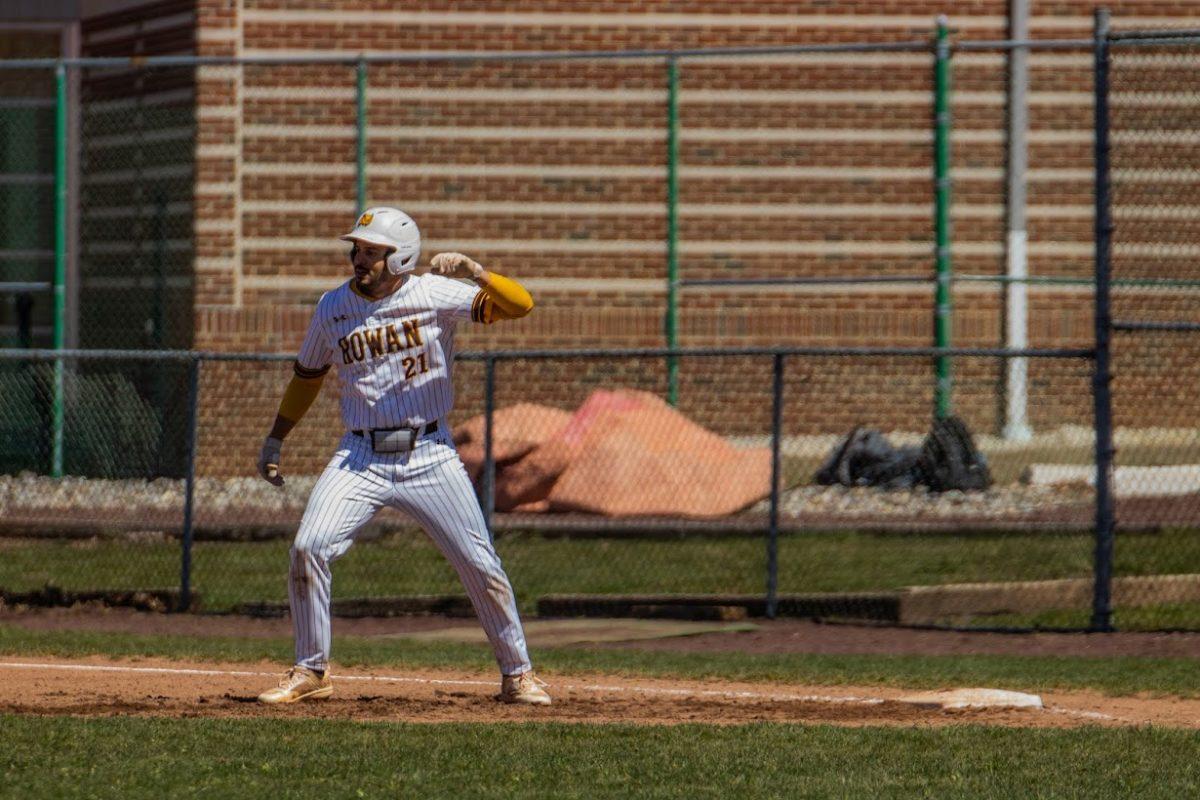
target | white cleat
[
  {"x": 525, "y": 688},
  {"x": 299, "y": 683}
]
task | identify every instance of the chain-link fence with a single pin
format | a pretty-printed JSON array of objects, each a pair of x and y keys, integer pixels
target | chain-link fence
[
  {"x": 136, "y": 140},
  {"x": 601, "y": 494},
  {"x": 1152, "y": 128},
  {"x": 789, "y": 199}
]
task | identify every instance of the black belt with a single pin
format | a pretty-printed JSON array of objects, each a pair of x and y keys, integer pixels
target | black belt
[{"x": 428, "y": 429}]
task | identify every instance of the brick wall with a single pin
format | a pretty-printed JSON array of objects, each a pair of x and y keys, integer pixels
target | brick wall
[{"x": 554, "y": 172}]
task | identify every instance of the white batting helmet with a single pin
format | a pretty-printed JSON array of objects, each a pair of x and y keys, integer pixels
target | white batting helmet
[{"x": 392, "y": 228}]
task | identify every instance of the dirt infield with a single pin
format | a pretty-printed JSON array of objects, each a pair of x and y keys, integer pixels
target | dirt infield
[
  {"x": 156, "y": 687},
  {"x": 150, "y": 687}
]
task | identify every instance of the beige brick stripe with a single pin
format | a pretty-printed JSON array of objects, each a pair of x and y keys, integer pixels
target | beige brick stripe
[
  {"x": 994, "y": 23},
  {"x": 691, "y": 247},
  {"x": 798, "y": 135},
  {"x": 655, "y": 287},
  {"x": 831, "y": 210},
  {"x": 349, "y": 16}
]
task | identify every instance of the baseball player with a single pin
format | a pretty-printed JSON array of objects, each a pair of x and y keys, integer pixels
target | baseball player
[{"x": 391, "y": 334}]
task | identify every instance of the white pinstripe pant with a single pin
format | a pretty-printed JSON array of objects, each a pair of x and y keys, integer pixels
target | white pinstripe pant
[{"x": 430, "y": 485}]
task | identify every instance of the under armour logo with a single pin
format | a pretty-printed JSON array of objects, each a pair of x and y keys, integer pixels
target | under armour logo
[{"x": 341, "y": 318}]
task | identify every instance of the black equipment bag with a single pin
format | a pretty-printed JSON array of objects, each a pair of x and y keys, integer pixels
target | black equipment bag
[{"x": 949, "y": 459}]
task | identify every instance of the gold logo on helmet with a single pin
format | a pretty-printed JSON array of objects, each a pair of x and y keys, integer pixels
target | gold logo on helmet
[{"x": 365, "y": 219}]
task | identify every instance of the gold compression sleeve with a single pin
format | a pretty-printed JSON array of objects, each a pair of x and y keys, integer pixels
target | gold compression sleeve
[
  {"x": 500, "y": 298},
  {"x": 299, "y": 395}
]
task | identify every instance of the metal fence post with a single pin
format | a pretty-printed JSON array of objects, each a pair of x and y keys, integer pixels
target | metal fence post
[
  {"x": 672, "y": 318},
  {"x": 941, "y": 184},
  {"x": 189, "y": 490},
  {"x": 776, "y": 478},
  {"x": 360, "y": 107},
  {"x": 489, "y": 460},
  {"x": 1102, "y": 375},
  {"x": 60, "y": 265},
  {"x": 1016, "y": 254}
]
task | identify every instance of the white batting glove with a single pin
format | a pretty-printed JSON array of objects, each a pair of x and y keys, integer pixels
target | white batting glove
[
  {"x": 268, "y": 461},
  {"x": 456, "y": 265}
]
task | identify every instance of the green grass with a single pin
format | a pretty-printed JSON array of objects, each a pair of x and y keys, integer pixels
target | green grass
[
  {"x": 228, "y": 573},
  {"x": 1110, "y": 675},
  {"x": 1164, "y": 617},
  {"x": 130, "y": 757}
]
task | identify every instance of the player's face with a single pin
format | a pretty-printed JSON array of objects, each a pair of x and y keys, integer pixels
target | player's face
[{"x": 369, "y": 264}]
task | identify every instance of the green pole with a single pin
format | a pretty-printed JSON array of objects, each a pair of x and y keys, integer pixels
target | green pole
[
  {"x": 672, "y": 318},
  {"x": 361, "y": 119},
  {"x": 60, "y": 261},
  {"x": 941, "y": 179}
]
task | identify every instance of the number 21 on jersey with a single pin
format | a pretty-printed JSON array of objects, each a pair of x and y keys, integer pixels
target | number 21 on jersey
[{"x": 414, "y": 366}]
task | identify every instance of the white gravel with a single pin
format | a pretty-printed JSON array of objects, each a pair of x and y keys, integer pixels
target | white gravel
[
  {"x": 37, "y": 491},
  {"x": 217, "y": 496},
  {"x": 997, "y": 502},
  {"x": 213, "y": 496}
]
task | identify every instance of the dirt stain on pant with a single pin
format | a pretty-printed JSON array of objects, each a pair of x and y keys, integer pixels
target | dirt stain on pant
[{"x": 300, "y": 572}]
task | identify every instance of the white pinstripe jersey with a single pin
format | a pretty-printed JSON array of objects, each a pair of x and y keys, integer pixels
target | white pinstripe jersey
[{"x": 393, "y": 355}]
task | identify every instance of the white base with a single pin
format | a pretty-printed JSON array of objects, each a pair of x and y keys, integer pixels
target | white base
[{"x": 974, "y": 698}]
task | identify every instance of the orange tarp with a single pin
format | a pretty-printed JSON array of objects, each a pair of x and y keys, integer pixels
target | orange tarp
[
  {"x": 626, "y": 453},
  {"x": 519, "y": 429}
]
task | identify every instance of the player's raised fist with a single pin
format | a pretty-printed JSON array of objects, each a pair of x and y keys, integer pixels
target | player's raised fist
[{"x": 456, "y": 265}]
